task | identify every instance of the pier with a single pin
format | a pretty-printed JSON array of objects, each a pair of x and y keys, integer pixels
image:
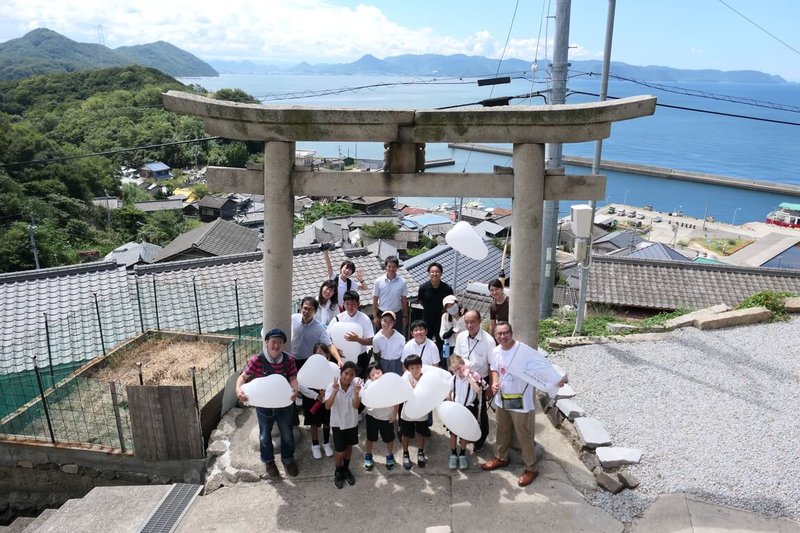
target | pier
[{"x": 660, "y": 172}]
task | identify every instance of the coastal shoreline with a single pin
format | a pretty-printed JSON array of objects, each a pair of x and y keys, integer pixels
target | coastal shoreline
[{"x": 660, "y": 172}]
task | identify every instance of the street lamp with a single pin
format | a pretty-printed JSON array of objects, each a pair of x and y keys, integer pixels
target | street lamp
[{"x": 733, "y": 222}]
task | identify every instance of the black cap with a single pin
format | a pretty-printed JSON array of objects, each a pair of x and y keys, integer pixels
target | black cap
[{"x": 275, "y": 332}]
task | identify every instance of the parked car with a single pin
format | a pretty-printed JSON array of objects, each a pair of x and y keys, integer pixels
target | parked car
[
  {"x": 632, "y": 214},
  {"x": 658, "y": 219},
  {"x": 621, "y": 212},
  {"x": 640, "y": 216},
  {"x": 611, "y": 210}
]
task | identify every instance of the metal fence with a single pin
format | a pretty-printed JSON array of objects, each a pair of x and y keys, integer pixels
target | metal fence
[{"x": 41, "y": 398}]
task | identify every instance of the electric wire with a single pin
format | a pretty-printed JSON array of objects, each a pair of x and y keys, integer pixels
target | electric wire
[{"x": 757, "y": 25}]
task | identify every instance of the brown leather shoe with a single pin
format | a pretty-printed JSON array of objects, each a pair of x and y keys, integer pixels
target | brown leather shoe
[
  {"x": 527, "y": 478},
  {"x": 494, "y": 463}
]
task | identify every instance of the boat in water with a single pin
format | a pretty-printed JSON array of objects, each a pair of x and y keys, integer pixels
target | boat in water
[{"x": 787, "y": 215}]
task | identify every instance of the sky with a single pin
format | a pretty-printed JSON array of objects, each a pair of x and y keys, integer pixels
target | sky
[{"x": 692, "y": 34}]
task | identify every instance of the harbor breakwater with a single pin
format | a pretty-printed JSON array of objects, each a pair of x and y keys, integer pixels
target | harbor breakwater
[{"x": 647, "y": 170}]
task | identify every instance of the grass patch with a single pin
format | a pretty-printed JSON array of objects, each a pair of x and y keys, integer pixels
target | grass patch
[
  {"x": 772, "y": 300},
  {"x": 723, "y": 246}
]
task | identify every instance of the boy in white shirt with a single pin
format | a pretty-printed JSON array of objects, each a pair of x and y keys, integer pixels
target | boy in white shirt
[
  {"x": 421, "y": 345},
  {"x": 342, "y": 399},
  {"x": 418, "y": 426},
  {"x": 388, "y": 345}
]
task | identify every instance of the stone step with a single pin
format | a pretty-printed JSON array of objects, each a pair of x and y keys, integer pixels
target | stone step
[
  {"x": 18, "y": 525},
  {"x": 51, "y": 514},
  {"x": 118, "y": 508},
  {"x": 689, "y": 318},
  {"x": 43, "y": 517},
  {"x": 739, "y": 317},
  {"x": 592, "y": 433}
]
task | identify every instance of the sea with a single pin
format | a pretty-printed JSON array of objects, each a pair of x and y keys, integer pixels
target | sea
[{"x": 701, "y": 127}]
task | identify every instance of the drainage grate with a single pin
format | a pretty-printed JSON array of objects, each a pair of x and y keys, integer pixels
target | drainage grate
[{"x": 171, "y": 509}]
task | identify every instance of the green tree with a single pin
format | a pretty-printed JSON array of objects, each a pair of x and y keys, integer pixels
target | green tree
[
  {"x": 131, "y": 193},
  {"x": 235, "y": 95},
  {"x": 327, "y": 210},
  {"x": 380, "y": 230}
]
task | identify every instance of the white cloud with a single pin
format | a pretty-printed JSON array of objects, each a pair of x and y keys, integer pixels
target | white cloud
[{"x": 271, "y": 30}]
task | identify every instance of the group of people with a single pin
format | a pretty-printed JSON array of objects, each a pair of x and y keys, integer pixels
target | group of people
[{"x": 452, "y": 338}]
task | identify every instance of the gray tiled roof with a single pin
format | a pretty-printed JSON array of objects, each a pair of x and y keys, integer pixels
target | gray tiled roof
[
  {"x": 66, "y": 295},
  {"x": 159, "y": 205},
  {"x": 214, "y": 202},
  {"x": 468, "y": 269},
  {"x": 620, "y": 239},
  {"x": 214, "y": 238},
  {"x": 670, "y": 285},
  {"x": 132, "y": 253},
  {"x": 651, "y": 250}
]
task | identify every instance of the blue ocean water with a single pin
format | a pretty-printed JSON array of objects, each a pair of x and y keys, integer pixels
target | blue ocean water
[{"x": 672, "y": 138}]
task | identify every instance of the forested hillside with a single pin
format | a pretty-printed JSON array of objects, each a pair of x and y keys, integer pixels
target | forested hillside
[
  {"x": 46, "y": 121},
  {"x": 44, "y": 51}
]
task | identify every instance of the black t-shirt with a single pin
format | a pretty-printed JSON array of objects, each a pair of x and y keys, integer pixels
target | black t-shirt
[{"x": 431, "y": 300}]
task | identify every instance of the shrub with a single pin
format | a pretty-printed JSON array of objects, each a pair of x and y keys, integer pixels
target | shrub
[{"x": 772, "y": 300}]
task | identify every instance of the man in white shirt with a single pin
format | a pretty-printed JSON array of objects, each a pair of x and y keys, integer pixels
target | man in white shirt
[
  {"x": 352, "y": 314},
  {"x": 390, "y": 293},
  {"x": 421, "y": 345},
  {"x": 513, "y": 399},
  {"x": 475, "y": 346}
]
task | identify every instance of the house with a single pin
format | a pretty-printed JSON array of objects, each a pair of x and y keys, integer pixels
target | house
[
  {"x": 304, "y": 158},
  {"x": 133, "y": 253},
  {"x": 615, "y": 241},
  {"x": 651, "y": 250},
  {"x": 473, "y": 215},
  {"x": 214, "y": 207},
  {"x": 469, "y": 270},
  {"x": 382, "y": 249},
  {"x": 334, "y": 164},
  {"x": 159, "y": 205},
  {"x": 321, "y": 231},
  {"x": 492, "y": 230},
  {"x": 431, "y": 224},
  {"x": 155, "y": 170},
  {"x": 210, "y": 240},
  {"x": 370, "y": 205}
]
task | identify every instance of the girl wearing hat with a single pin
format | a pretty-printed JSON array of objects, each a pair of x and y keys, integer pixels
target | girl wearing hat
[{"x": 452, "y": 323}]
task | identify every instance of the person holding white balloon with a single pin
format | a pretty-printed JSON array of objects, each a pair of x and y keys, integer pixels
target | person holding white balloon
[
  {"x": 416, "y": 427},
  {"x": 379, "y": 420},
  {"x": 342, "y": 399},
  {"x": 314, "y": 415},
  {"x": 468, "y": 386},
  {"x": 271, "y": 361},
  {"x": 307, "y": 331},
  {"x": 475, "y": 345},
  {"x": 352, "y": 314}
]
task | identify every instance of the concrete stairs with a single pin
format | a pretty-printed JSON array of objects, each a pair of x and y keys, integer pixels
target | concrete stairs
[{"x": 104, "y": 509}]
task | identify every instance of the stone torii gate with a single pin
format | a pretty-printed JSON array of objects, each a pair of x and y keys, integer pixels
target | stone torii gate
[{"x": 404, "y": 132}]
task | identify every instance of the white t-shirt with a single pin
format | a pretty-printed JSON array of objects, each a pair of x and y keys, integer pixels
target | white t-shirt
[
  {"x": 342, "y": 288},
  {"x": 413, "y": 382},
  {"x": 427, "y": 351},
  {"x": 477, "y": 352},
  {"x": 361, "y": 319},
  {"x": 343, "y": 414},
  {"x": 381, "y": 413},
  {"x": 508, "y": 383},
  {"x": 391, "y": 348},
  {"x": 325, "y": 313},
  {"x": 461, "y": 389}
]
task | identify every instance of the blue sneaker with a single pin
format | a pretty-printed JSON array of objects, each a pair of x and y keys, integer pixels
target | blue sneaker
[
  {"x": 452, "y": 464},
  {"x": 406, "y": 461},
  {"x": 369, "y": 464},
  {"x": 390, "y": 461}
]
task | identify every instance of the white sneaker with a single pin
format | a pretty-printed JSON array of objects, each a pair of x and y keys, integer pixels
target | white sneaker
[
  {"x": 328, "y": 449},
  {"x": 316, "y": 452}
]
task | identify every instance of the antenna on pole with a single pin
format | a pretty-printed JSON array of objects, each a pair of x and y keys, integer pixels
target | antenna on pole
[{"x": 101, "y": 38}]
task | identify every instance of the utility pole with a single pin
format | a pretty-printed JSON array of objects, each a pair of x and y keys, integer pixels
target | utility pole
[
  {"x": 598, "y": 152},
  {"x": 32, "y": 238},
  {"x": 553, "y": 158}
]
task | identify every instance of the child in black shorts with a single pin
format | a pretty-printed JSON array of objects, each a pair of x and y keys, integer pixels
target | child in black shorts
[
  {"x": 314, "y": 412},
  {"x": 342, "y": 399},
  {"x": 381, "y": 421},
  {"x": 415, "y": 427}
]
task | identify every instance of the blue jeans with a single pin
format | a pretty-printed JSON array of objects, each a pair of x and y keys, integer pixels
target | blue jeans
[{"x": 266, "y": 419}]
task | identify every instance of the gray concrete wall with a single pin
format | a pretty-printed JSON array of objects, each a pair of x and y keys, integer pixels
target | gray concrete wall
[{"x": 34, "y": 476}]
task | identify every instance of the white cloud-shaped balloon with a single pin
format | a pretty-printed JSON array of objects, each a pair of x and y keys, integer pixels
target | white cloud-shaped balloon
[
  {"x": 388, "y": 390},
  {"x": 270, "y": 391},
  {"x": 459, "y": 420},
  {"x": 349, "y": 350},
  {"x": 430, "y": 391},
  {"x": 317, "y": 372},
  {"x": 464, "y": 239}
]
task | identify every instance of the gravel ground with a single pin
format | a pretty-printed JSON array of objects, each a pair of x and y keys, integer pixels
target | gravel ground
[{"x": 715, "y": 414}]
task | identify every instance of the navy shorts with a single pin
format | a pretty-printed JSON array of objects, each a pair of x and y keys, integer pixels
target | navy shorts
[
  {"x": 410, "y": 429},
  {"x": 375, "y": 426},
  {"x": 342, "y": 438}
]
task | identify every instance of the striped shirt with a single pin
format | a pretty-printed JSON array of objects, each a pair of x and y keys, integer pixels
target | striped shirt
[{"x": 256, "y": 366}]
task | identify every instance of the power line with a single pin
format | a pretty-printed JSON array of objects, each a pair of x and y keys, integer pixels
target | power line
[
  {"x": 706, "y": 111},
  {"x": 108, "y": 152},
  {"x": 757, "y": 25}
]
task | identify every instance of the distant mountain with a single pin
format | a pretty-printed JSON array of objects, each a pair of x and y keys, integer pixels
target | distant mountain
[
  {"x": 44, "y": 51},
  {"x": 462, "y": 65}
]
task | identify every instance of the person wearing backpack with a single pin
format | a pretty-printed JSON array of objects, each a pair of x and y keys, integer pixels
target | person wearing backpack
[
  {"x": 273, "y": 360},
  {"x": 344, "y": 281}
]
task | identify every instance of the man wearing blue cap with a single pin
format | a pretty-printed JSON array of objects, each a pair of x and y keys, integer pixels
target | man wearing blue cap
[{"x": 273, "y": 360}]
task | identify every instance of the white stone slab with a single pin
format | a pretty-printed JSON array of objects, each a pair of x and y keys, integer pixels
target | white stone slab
[
  {"x": 592, "y": 433},
  {"x": 611, "y": 456},
  {"x": 570, "y": 409},
  {"x": 565, "y": 392}
]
